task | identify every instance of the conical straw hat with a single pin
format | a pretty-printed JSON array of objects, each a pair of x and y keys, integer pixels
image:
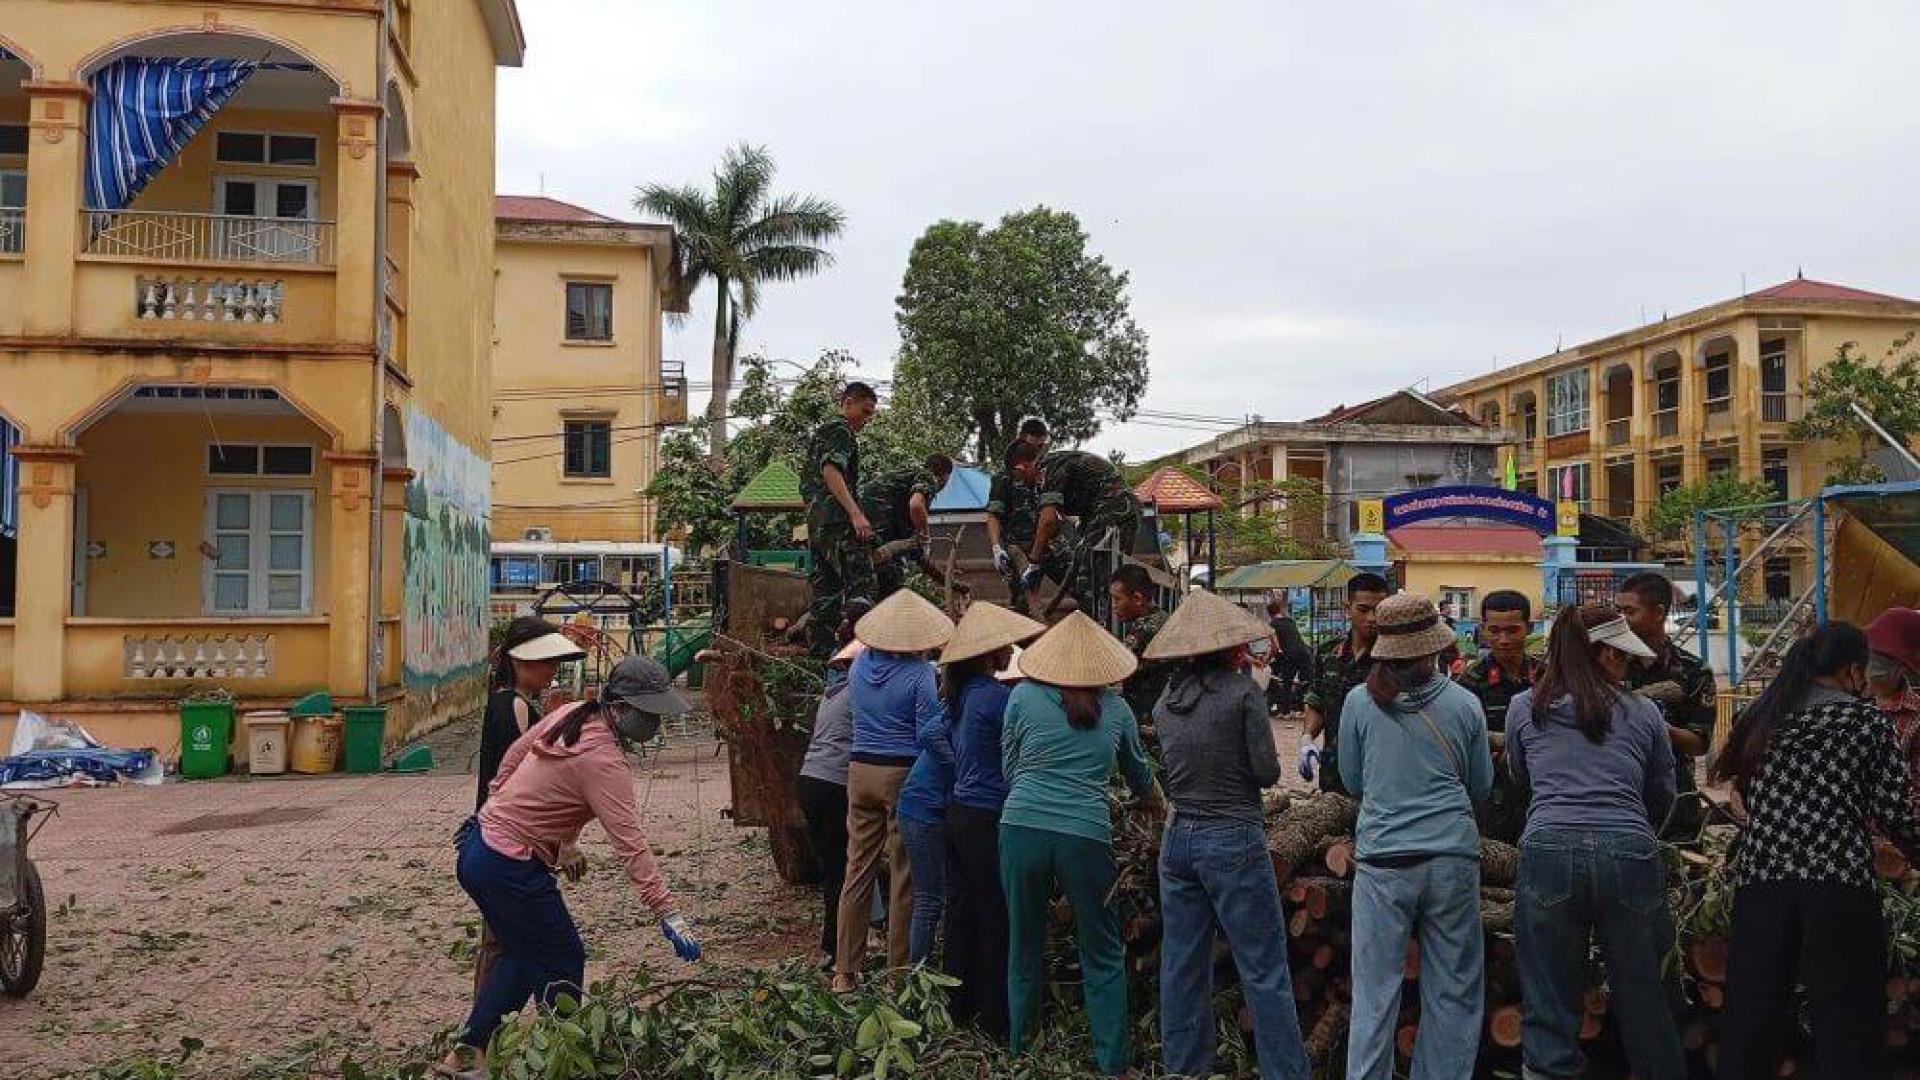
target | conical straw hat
[
  {"x": 1077, "y": 653},
  {"x": 904, "y": 623},
  {"x": 987, "y": 627},
  {"x": 1204, "y": 623}
]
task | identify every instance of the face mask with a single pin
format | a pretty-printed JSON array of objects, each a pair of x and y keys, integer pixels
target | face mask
[
  {"x": 1882, "y": 667},
  {"x": 633, "y": 725}
]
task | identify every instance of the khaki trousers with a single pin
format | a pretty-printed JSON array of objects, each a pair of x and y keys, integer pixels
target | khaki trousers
[{"x": 873, "y": 791}]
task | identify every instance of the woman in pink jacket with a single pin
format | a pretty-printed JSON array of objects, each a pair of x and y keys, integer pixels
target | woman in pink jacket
[{"x": 567, "y": 770}]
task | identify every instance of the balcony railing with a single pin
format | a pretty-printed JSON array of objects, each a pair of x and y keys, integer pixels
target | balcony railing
[
  {"x": 207, "y": 238},
  {"x": 13, "y": 230},
  {"x": 1778, "y": 407},
  {"x": 1619, "y": 432},
  {"x": 210, "y": 300},
  {"x": 1666, "y": 423}
]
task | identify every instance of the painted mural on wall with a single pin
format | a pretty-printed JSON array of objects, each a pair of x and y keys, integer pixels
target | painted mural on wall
[{"x": 448, "y": 504}]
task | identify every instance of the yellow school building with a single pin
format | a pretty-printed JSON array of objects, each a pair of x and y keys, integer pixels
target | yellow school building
[
  {"x": 580, "y": 390},
  {"x": 246, "y": 289}
]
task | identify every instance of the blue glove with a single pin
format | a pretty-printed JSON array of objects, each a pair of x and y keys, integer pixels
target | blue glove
[
  {"x": 1309, "y": 758},
  {"x": 1002, "y": 561},
  {"x": 1031, "y": 579},
  {"x": 679, "y": 932}
]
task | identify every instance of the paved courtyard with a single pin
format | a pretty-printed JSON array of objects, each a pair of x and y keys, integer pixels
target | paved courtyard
[{"x": 285, "y": 921}]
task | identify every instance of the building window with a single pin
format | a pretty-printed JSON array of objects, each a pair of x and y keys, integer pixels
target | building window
[
  {"x": 1779, "y": 579},
  {"x": 1667, "y": 476},
  {"x": 1720, "y": 465},
  {"x": 516, "y": 573},
  {"x": 1569, "y": 402},
  {"x": 13, "y": 203},
  {"x": 589, "y": 449},
  {"x": 1719, "y": 382},
  {"x": 13, "y": 189},
  {"x": 1569, "y": 482},
  {"x": 266, "y": 148},
  {"x": 13, "y": 139},
  {"x": 263, "y": 552},
  {"x": 1775, "y": 471},
  {"x": 249, "y": 459},
  {"x": 589, "y": 311},
  {"x": 1456, "y": 602}
]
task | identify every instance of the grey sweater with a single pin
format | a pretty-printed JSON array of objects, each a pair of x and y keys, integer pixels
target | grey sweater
[
  {"x": 1217, "y": 745},
  {"x": 1624, "y": 783}
]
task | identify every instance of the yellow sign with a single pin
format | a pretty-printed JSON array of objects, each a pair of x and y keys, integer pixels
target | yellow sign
[
  {"x": 1373, "y": 516},
  {"x": 1567, "y": 518}
]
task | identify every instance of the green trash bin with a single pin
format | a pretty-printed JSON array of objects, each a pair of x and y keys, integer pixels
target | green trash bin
[
  {"x": 365, "y": 738},
  {"x": 206, "y": 730}
]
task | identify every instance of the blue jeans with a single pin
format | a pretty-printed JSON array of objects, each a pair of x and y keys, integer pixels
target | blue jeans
[
  {"x": 1439, "y": 900},
  {"x": 926, "y": 844},
  {"x": 1215, "y": 872},
  {"x": 541, "y": 951},
  {"x": 1573, "y": 883}
]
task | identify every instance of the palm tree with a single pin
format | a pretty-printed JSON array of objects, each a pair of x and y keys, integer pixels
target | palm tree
[{"x": 741, "y": 235}]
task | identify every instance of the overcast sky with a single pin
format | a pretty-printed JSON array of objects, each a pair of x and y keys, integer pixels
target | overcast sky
[{"x": 1317, "y": 203}]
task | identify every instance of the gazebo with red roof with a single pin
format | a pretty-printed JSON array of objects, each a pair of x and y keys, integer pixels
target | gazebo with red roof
[{"x": 1171, "y": 491}]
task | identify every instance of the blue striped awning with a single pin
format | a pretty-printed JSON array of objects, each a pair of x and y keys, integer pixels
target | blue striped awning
[
  {"x": 144, "y": 111},
  {"x": 9, "y": 481}
]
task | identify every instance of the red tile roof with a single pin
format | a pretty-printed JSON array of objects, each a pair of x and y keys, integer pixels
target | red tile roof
[
  {"x": 1461, "y": 537},
  {"x": 1802, "y": 288},
  {"x": 541, "y": 208},
  {"x": 1171, "y": 491}
]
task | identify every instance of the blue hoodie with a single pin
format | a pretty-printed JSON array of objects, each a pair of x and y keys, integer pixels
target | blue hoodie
[
  {"x": 893, "y": 697},
  {"x": 1413, "y": 799}
]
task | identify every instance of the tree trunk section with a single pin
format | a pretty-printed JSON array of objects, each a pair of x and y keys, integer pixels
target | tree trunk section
[{"x": 721, "y": 374}]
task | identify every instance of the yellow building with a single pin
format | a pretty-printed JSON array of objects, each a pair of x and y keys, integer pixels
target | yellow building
[
  {"x": 580, "y": 390},
  {"x": 243, "y": 345},
  {"x": 1624, "y": 419}
]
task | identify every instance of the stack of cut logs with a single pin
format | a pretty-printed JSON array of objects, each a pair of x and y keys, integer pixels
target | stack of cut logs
[{"x": 1310, "y": 842}]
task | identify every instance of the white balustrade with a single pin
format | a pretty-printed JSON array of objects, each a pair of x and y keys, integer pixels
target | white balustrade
[
  {"x": 210, "y": 299},
  {"x": 197, "y": 656}
]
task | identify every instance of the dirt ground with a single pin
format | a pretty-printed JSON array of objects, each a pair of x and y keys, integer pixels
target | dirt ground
[{"x": 285, "y": 921}]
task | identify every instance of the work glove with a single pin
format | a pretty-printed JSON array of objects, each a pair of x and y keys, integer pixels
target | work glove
[
  {"x": 1002, "y": 561},
  {"x": 1667, "y": 692},
  {"x": 1309, "y": 760},
  {"x": 679, "y": 933},
  {"x": 1031, "y": 579}
]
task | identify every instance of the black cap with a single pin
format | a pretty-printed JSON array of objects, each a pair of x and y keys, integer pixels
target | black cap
[{"x": 643, "y": 682}]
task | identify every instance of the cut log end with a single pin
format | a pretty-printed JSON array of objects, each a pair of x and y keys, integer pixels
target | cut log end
[
  {"x": 1503, "y": 1026},
  {"x": 1709, "y": 955}
]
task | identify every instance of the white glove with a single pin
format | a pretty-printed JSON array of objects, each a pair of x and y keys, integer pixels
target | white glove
[{"x": 1002, "y": 561}]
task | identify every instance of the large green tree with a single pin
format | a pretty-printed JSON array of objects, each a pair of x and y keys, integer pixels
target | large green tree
[
  {"x": 999, "y": 323},
  {"x": 1889, "y": 391},
  {"x": 740, "y": 236}
]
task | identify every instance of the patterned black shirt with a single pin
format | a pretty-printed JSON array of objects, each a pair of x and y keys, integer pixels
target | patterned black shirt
[{"x": 1832, "y": 775}]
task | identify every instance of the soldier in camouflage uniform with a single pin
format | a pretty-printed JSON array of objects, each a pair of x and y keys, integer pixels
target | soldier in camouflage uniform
[
  {"x": 896, "y": 502},
  {"x": 1339, "y": 666},
  {"x": 1080, "y": 485},
  {"x": 1495, "y": 678},
  {"x": 1133, "y": 593},
  {"x": 1682, "y": 685},
  {"x": 839, "y": 536},
  {"x": 1013, "y": 511}
]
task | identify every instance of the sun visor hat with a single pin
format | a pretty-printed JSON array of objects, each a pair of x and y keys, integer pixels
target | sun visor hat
[
  {"x": 547, "y": 647},
  {"x": 1617, "y": 633}
]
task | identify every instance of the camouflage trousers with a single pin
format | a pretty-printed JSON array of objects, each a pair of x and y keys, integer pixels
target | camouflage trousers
[{"x": 842, "y": 571}]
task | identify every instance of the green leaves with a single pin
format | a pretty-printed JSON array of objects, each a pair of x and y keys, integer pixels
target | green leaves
[
  {"x": 996, "y": 324},
  {"x": 1889, "y": 390}
]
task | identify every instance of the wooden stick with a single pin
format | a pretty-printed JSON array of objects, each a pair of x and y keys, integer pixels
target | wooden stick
[
  {"x": 1404, "y": 1039},
  {"x": 1712, "y": 995},
  {"x": 1595, "y": 1001}
]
